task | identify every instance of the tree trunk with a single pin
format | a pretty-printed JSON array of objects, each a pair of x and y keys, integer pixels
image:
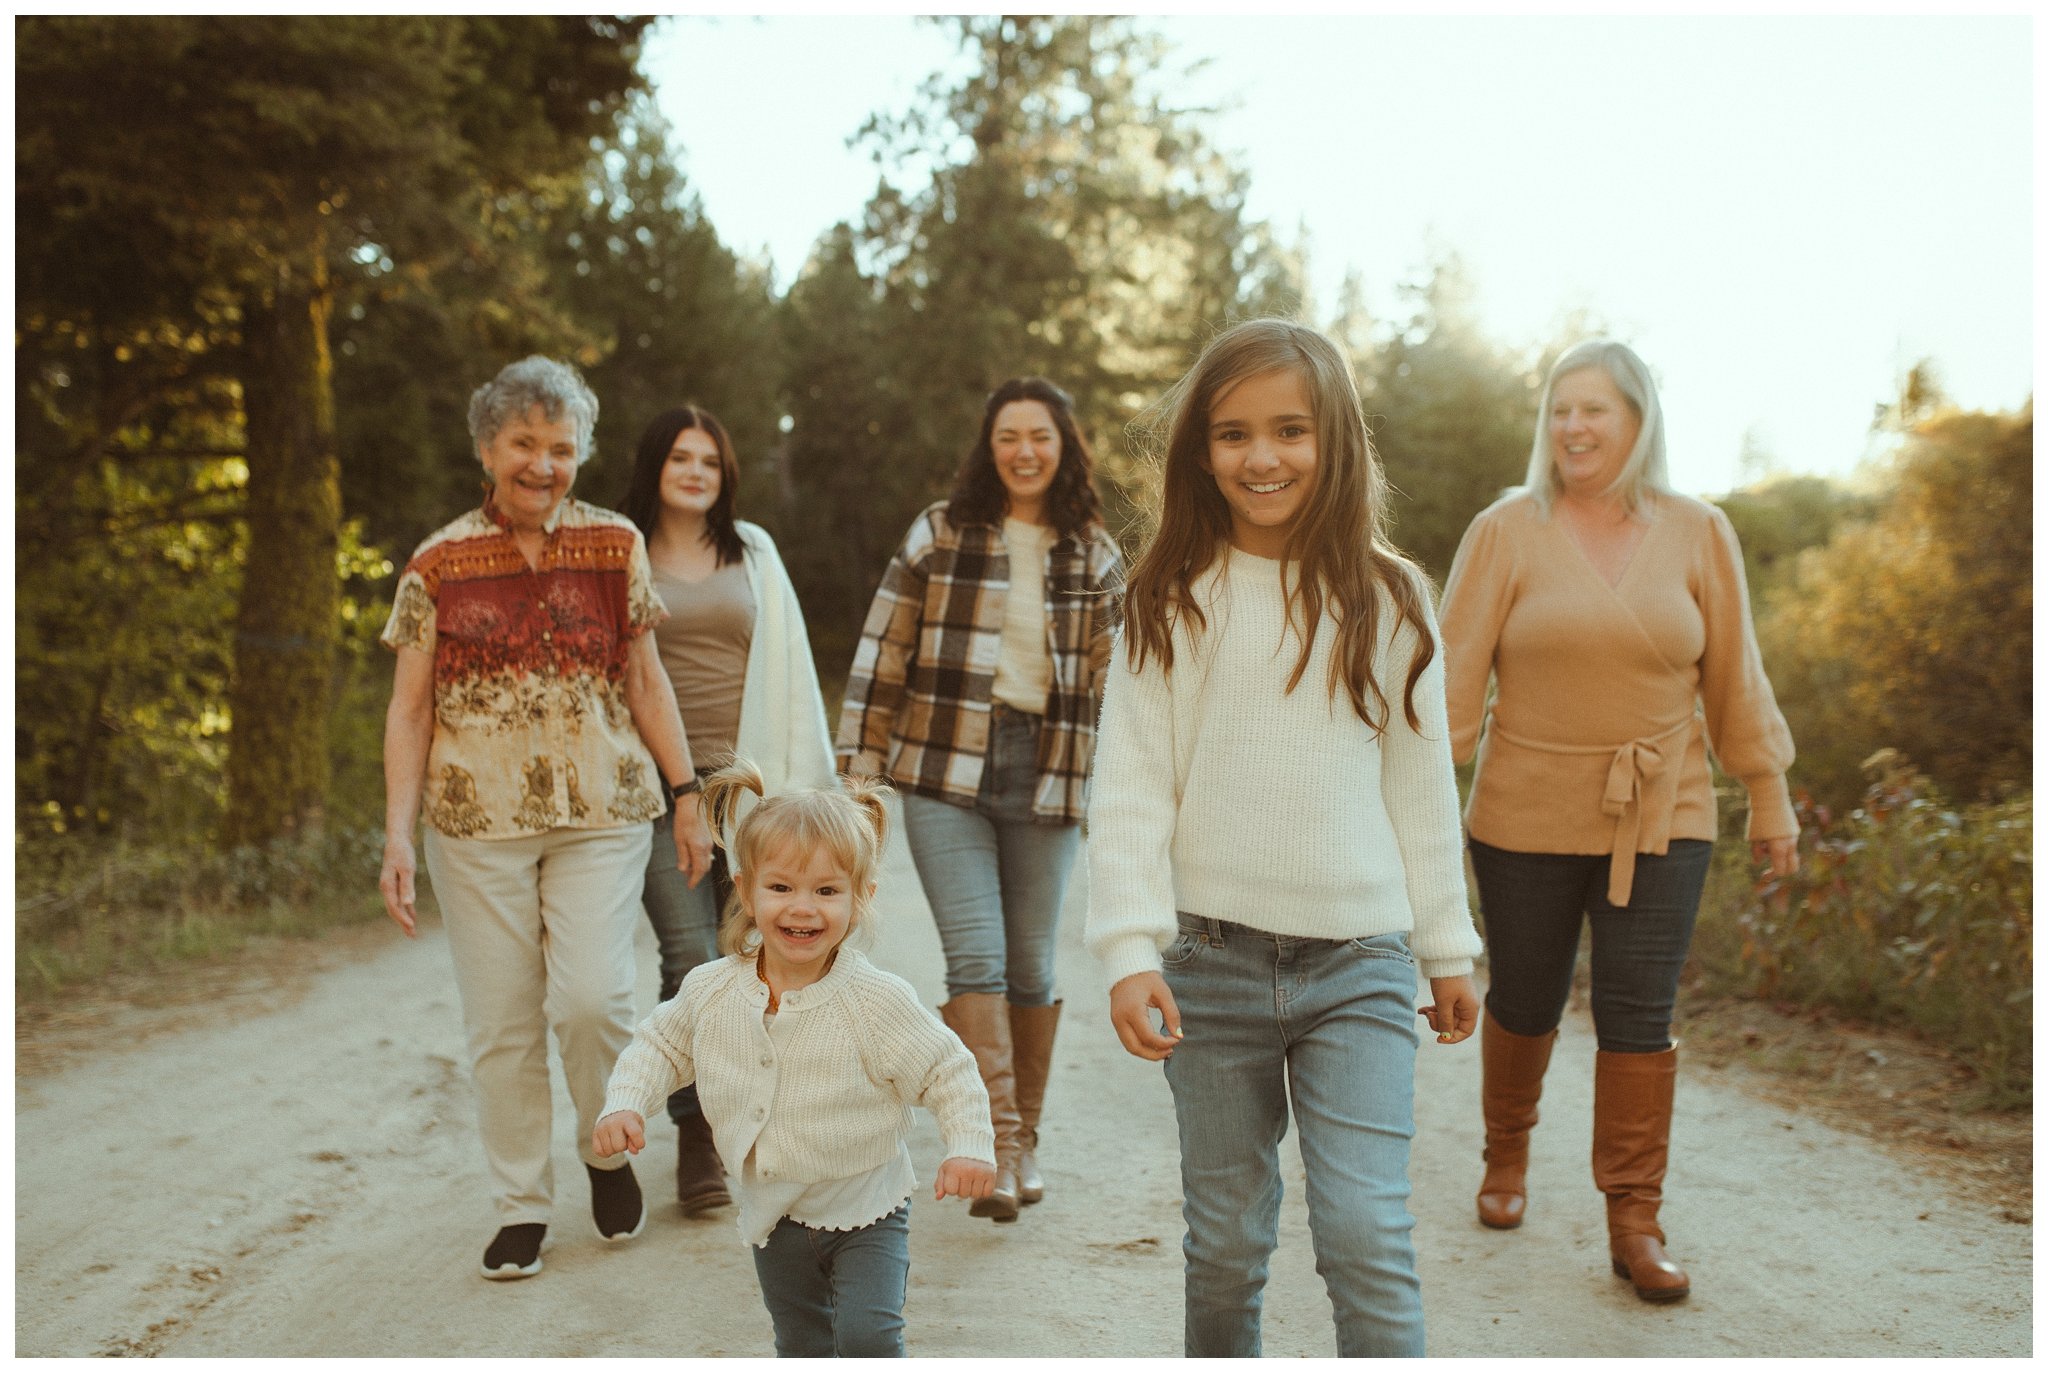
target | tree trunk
[{"x": 291, "y": 591}]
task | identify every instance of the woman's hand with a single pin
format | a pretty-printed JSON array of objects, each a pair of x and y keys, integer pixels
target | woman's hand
[
  {"x": 963, "y": 1177},
  {"x": 1781, "y": 854},
  {"x": 1454, "y": 1009},
  {"x": 397, "y": 884},
  {"x": 693, "y": 841},
  {"x": 619, "y": 1130},
  {"x": 1131, "y": 1003}
]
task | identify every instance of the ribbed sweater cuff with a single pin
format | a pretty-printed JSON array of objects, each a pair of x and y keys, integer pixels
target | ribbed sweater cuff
[
  {"x": 979, "y": 1145},
  {"x": 1446, "y": 967},
  {"x": 1770, "y": 808},
  {"x": 622, "y": 1098},
  {"x": 1127, "y": 954}
]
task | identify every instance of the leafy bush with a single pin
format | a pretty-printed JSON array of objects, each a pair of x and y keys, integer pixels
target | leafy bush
[
  {"x": 1907, "y": 911},
  {"x": 1915, "y": 630},
  {"x": 86, "y": 906}
]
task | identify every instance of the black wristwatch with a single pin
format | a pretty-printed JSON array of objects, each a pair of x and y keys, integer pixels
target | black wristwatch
[{"x": 681, "y": 789}]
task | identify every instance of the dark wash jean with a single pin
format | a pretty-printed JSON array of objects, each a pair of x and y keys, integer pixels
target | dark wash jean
[
  {"x": 1533, "y": 905},
  {"x": 685, "y": 922},
  {"x": 1328, "y": 1027},
  {"x": 837, "y": 1293}
]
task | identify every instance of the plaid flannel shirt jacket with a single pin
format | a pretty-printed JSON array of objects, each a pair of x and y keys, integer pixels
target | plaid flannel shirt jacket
[{"x": 918, "y": 700}]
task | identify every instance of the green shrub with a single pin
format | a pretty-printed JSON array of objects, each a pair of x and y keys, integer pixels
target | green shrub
[
  {"x": 87, "y": 906},
  {"x": 1907, "y": 911}
]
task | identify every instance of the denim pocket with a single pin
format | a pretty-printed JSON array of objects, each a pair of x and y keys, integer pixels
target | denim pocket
[
  {"x": 1384, "y": 946},
  {"x": 1182, "y": 950}
]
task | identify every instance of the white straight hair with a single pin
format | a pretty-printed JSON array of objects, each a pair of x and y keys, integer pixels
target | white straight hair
[{"x": 1645, "y": 469}]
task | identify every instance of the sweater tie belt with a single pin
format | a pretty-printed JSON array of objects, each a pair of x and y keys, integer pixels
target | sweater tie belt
[{"x": 1632, "y": 795}]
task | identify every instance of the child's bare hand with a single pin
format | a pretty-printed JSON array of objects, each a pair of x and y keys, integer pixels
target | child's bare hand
[
  {"x": 619, "y": 1130},
  {"x": 1454, "y": 1012},
  {"x": 963, "y": 1177},
  {"x": 1131, "y": 1002}
]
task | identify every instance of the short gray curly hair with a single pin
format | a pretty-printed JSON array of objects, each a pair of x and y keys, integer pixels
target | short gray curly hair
[{"x": 556, "y": 387}]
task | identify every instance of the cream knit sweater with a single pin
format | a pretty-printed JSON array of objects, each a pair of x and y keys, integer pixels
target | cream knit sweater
[
  {"x": 837, "y": 1103},
  {"x": 1220, "y": 793}
]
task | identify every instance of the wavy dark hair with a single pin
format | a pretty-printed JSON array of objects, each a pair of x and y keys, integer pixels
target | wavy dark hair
[
  {"x": 642, "y": 501},
  {"x": 1338, "y": 550},
  {"x": 979, "y": 496}
]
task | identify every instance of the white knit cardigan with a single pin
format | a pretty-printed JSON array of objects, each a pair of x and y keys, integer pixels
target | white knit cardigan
[
  {"x": 838, "y": 1103},
  {"x": 1220, "y": 793},
  {"x": 782, "y": 716}
]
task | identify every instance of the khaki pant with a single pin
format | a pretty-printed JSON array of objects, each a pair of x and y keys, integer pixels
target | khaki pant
[{"x": 541, "y": 930}]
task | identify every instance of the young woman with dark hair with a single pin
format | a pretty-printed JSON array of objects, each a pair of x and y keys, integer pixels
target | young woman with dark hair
[
  {"x": 736, "y": 651},
  {"x": 974, "y": 690}
]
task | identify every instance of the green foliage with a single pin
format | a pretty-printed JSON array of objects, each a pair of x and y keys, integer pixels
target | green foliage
[
  {"x": 1907, "y": 911},
  {"x": 672, "y": 316},
  {"x": 1075, "y": 225},
  {"x": 193, "y": 191},
  {"x": 1451, "y": 411},
  {"x": 1914, "y": 630},
  {"x": 1781, "y": 517},
  {"x": 86, "y": 907}
]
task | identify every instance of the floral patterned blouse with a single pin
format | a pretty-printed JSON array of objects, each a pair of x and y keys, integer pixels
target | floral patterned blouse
[{"x": 531, "y": 727}]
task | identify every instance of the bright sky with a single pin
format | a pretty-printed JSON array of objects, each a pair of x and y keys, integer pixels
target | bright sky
[{"x": 1780, "y": 214}]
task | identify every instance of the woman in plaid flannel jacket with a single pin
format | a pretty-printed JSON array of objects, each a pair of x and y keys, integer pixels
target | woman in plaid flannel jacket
[{"x": 979, "y": 705}]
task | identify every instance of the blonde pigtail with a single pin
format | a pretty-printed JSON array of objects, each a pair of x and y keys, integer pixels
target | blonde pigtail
[
  {"x": 723, "y": 791},
  {"x": 871, "y": 794}
]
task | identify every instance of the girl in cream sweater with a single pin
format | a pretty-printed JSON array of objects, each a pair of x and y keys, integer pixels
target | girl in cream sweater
[
  {"x": 807, "y": 1059},
  {"x": 1274, "y": 842}
]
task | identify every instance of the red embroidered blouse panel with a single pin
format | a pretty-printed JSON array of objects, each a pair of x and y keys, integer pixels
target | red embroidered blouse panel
[{"x": 531, "y": 727}]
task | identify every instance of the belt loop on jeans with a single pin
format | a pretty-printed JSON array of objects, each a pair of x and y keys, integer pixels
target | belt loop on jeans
[{"x": 1214, "y": 932}]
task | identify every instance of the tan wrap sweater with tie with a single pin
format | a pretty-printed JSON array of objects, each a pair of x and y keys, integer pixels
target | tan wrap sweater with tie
[{"x": 1608, "y": 698}]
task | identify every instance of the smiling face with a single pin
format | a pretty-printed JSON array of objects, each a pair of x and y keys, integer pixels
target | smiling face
[
  {"x": 531, "y": 461},
  {"x": 1593, "y": 429},
  {"x": 1026, "y": 446},
  {"x": 1262, "y": 452},
  {"x": 693, "y": 475},
  {"x": 802, "y": 903}
]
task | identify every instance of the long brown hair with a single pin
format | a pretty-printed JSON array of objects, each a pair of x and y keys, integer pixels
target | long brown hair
[{"x": 1338, "y": 549}]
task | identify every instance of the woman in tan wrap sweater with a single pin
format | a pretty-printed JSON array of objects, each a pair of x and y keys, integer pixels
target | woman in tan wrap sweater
[{"x": 1611, "y": 613}]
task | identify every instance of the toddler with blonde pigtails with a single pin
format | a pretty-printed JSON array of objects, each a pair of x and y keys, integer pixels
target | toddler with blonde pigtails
[{"x": 807, "y": 1059}]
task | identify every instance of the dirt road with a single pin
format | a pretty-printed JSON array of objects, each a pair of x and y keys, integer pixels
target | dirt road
[{"x": 297, "y": 1173}]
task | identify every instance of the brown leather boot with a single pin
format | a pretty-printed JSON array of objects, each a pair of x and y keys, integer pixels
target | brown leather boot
[
  {"x": 982, "y": 1020},
  {"x": 1031, "y": 1034},
  {"x": 1511, "y": 1068},
  {"x": 1631, "y": 1141},
  {"x": 700, "y": 1175}
]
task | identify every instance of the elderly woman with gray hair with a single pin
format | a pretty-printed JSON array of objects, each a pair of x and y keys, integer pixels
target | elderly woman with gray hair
[
  {"x": 1610, "y": 613},
  {"x": 532, "y": 718}
]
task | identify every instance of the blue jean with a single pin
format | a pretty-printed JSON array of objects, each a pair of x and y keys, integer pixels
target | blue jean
[
  {"x": 1331, "y": 1023},
  {"x": 993, "y": 875},
  {"x": 685, "y": 922},
  {"x": 837, "y": 1293},
  {"x": 1533, "y": 904}
]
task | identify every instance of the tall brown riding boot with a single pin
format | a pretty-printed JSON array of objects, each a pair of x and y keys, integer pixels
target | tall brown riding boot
[
  {"x": 1511, "y": 1068},
  {"x": 982, "y": 1020},
  {"x": 1031, "y": 1033},
  {"x": 1631, "y": 1141}
]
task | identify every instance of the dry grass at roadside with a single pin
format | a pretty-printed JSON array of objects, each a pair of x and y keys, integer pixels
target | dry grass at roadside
[{"x": 87, "y": 913}]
